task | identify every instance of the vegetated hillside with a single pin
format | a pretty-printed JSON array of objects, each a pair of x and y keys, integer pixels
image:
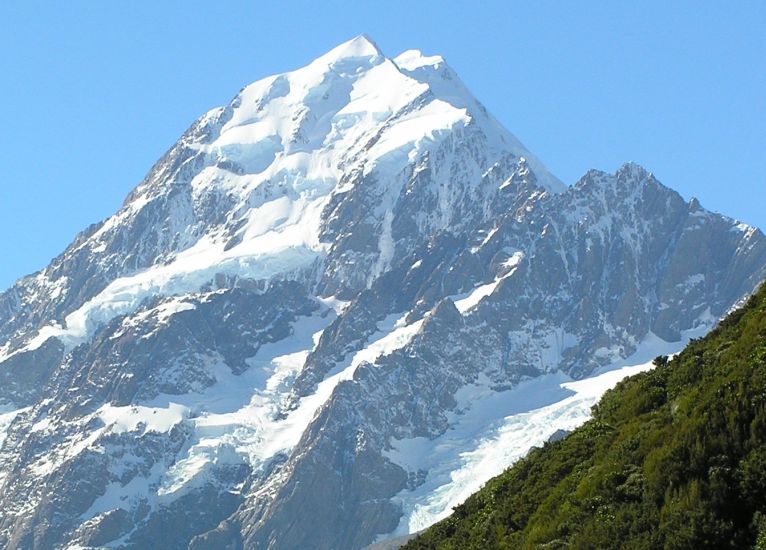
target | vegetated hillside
[{"x": 673, "y": 458}]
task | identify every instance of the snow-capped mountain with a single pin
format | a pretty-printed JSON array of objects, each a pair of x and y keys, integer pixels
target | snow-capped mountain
[{"x": 332, "y": 310}]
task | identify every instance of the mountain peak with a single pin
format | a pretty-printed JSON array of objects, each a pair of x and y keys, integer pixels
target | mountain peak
[
  {"x": 295, "y": 282},
  {"x": 411, "y": 60},
  {"x": 361, "y": 46},
  {"x": 633, "y": 170}
]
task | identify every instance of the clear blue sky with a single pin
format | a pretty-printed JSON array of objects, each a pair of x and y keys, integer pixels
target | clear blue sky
[{"x": 92, "y": 93}]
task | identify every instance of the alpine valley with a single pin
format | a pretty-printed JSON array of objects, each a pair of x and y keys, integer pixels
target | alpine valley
[{"x": 334, "y": 309}]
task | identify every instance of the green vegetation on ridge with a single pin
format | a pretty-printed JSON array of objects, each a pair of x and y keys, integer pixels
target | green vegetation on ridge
[{"x": 673, "y": 458}]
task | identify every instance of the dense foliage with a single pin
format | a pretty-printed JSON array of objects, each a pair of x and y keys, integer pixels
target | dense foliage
[{"x": 673, "y": 458}]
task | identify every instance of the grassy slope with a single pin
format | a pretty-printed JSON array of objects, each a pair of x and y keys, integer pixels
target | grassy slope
[{"x": 673, "y": 458}]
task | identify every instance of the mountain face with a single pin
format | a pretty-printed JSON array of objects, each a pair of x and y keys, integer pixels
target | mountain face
[{"x": 323, "y": 306}]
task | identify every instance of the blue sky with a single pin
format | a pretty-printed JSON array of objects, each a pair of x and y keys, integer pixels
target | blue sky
[{"x": 92, "y": 93}]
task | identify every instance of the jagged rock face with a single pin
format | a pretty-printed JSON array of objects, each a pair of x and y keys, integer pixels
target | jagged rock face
[
  {"x": 580, "y": 297},
  {"x": 311, "y": 290}
]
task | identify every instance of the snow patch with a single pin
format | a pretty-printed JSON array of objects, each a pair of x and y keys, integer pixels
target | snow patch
[
  {"x": 136, "y": 417},
  {"x": 8, "y": 414},
  {"x": 127, "y": 496},
  {"x": 414, "y": 59},
  {"x": 392, "y": 335},
  {"x": 469, "y": 300}
]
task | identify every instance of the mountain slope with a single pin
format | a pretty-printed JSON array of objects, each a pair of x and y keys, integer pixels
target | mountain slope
[
  {"x": 249, "y": 187},
  {"x": 673, "y": 458},
  {"x": 349, "y": 281}
]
